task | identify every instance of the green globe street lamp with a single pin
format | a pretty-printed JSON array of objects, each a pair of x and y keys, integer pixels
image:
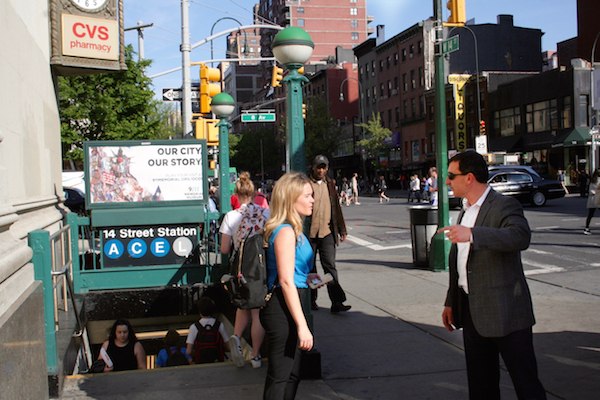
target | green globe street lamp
[
  {"x": 293, "y": 47},
  {"x": 223, "y": 105}
]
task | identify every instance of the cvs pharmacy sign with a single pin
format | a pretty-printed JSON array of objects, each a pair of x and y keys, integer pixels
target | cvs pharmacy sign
[{"x": 90, "y": 37}]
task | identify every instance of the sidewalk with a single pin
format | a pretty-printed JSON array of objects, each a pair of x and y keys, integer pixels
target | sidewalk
[{"x": 391, "y": 345}]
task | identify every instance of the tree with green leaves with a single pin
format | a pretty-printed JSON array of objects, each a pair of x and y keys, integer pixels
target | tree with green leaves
[
  {"x": 376, "y": 135},
  {"x": 111, "y": 106},
  {"x": 245, "y": 151}
]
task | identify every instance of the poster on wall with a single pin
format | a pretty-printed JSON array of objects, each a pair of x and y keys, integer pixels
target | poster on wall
[{"x": 151, "y": 172}]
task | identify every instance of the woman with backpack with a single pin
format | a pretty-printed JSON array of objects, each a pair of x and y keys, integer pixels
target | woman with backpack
[
  {"x": 289, "y": 261},
  {"x": 238, "y": 225}
]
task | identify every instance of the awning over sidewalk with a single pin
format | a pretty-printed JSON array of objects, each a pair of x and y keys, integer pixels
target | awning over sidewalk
[
  {"x": 575, "y": 137},
  {"x": 504, "y": 143}
]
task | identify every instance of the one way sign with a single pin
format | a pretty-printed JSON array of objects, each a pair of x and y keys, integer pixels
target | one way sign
[{"x": 175, "y": 94}]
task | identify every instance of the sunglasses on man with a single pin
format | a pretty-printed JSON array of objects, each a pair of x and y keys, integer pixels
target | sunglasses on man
[{"x": 451, "y": 175}]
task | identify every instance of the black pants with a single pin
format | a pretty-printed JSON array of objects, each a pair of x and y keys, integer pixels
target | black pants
[
  {"x": 483, "y": 363},
  {"x": 326, "y": 249},
  {"x": 591, "y": 212},
  {"x": 283, "y": 372}
]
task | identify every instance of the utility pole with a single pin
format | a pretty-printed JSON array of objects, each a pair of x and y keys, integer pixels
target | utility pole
[
  {"x": 441, "y": 245},
  {"x": 140, "y": 28},
  {"x": 186, "y": 101}
]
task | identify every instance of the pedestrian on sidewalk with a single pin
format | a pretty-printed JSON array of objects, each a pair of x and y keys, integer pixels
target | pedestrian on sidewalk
[
  {"x": 289, "y": 262},
  {"x": 592, "y": 203},
  {"x": 433, "y": 186},
  {"x": 488, "y": 295},
  {"x": 382, "y": 185},
  {"x": 326, "y": 230},
  {"x": 239, "y": 224},
  {"x": 354, "y": 184}
]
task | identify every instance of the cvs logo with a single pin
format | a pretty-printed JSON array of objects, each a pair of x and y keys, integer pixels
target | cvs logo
[{"x": 81, "y": 30}]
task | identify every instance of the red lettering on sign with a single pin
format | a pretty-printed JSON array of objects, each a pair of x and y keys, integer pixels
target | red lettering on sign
[
  {"x": 103, "y": 33},
  {"x": 75, "y": 26},
  {"x": 80, "y": 30}
]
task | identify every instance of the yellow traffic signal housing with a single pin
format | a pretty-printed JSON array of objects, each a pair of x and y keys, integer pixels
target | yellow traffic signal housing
[
  {"x": 304, "y": 110},
  {"x": 277, "y": 76},
  {"x": 207, "y": 129},
  {"x": 211, "y": 164},
  {"x": 458, "y": 15},
  {"x": 208, "y": 89},
  {"x": 482, "y": 127},
  {"x": 301, "y": 70}
]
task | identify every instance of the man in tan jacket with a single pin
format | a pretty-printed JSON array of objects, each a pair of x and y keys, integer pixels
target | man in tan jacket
[{"x": 326, "y": 229}]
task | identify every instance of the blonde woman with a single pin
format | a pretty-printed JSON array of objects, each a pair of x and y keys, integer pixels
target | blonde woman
[{"x": 289, "y": 261}]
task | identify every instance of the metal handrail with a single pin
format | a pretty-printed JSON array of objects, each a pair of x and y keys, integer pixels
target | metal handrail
[{"x": 65, "y": 272}]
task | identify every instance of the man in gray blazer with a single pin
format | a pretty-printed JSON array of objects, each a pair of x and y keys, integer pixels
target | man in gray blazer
[{"x": 488, "y": 295}]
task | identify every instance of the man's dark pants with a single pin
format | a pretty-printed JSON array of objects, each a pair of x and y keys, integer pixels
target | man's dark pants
[
  {"x": 326, "y": 249},
  {"x": 483, "y": 363}
]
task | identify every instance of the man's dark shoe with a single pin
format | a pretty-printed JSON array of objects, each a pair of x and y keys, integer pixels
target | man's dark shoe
[
  {"x": 337, "y": 307},
  {"x": 314, "y": 307}
]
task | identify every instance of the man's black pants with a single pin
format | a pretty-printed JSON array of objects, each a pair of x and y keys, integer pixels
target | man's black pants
[
  {"x": 483, "y": 362},
  {"x": 326, "y": 249}
]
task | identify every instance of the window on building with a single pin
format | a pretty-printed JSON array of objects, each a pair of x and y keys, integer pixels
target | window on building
[
  {"x": 421, "y": 77},
  {"x": 422, "y": 106},
  {"x": 390, "y": 118},
  {"x": 395, "y": 58},
  {"x": 253, "y": 41},
  {"x": 543, "y": 116},
  {"x": 397, "y": 116},
  {"x": 413, "y": 83},
  {"x": 300, "y": 22},
  {"x": 388, "y": 62},
  {"x": 405, "y": 109},
  {"x": 419, "y": 47},
  {"x": 361, "y": 72},
  {"x": 396, "y": 83},
  {"x": 374, "y": 94},
  {"x": 413, "y": 108},
  {"x": 353, "y": 11},
  {"x": 431, "y": 112},
  {"x": 404, "y": 83},
  {"x": 508, "y": 121},
  {"x": 354, "y": 35},
  {"x": 566, "y": 112},
  {"x": 373, "y": 68},
  {"x": 583, "y": 110},
  {"x": 300, "y": 10},
  {"x": 352, "y": 1},
  {"x": 381, "y": 65},
  {"x": 411, "y": 51},
  {"x": 389, "y": 89},
  {"x": 367, "y": 68},
  {"x": 424, "y": 146},
  {"x": 381, "y": 89},
  {"x": 368, "y": 96},
  {"x": 403, "y": 55},
  {"x": 354, "y": 23}
]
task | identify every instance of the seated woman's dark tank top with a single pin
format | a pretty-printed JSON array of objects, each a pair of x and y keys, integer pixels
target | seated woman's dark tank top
[{"x": 123, "y": 358}]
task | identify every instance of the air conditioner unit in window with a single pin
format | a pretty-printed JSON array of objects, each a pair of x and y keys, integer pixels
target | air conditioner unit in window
[{"x": 394, "y": 92}]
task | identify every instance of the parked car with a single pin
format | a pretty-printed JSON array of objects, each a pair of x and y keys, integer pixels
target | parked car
[
  {"x": 523, "y": 183},
  {"x": 75, "y": 200},
  {"x": 520, "y": 181}
]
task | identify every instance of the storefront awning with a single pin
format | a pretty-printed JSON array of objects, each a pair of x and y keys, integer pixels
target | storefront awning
[
  {"x": 504, "y": 143},
  {"x": 575, "y": 137}
]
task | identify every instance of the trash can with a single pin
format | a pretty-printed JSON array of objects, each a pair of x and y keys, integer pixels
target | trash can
[{"x": 423, "y": 225}]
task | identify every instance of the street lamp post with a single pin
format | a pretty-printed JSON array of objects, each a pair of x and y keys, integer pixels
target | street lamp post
[
  {"x": 293, "y": 47},
  {"x": 476, "y": 71},
  {"x": 223, "y": 105}
]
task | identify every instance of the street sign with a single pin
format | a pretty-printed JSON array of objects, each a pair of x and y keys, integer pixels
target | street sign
[
  {"x": 258, "y": 117},
  {"x": 450, "y": 45},
  {"x": 175, "y": 94}
]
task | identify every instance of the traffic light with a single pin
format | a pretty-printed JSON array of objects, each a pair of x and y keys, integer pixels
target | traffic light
[
  {"x": 277, "y": 76},
  {"x": 304, "y": 110},
  {"x": 207, "y": 129},
  {"x": 482, "y": 127},
  {"x": 458, "y": 16},
  {"x": 207, "y": 88}
]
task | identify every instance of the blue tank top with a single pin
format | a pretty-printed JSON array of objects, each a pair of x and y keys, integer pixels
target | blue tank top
[{"x": 304, "y": 259}]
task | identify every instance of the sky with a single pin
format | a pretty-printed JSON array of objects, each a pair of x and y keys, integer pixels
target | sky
[{"x": 556, "y": 18}]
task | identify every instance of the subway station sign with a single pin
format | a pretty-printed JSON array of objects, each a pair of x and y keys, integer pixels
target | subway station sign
[{"x": 148, "y": 245}]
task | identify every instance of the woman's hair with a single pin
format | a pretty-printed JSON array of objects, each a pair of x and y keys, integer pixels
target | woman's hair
[
  {"x": 172, "y": 338},
  {"x": 595, "y": 175},
  {"x": 113, "y": 331},
  {"x": 244, "y": 187},
  {"x": 285, "y": 193}
]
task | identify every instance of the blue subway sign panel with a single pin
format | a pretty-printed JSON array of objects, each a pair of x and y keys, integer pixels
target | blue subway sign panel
[{"x": 148, "y": 245}]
